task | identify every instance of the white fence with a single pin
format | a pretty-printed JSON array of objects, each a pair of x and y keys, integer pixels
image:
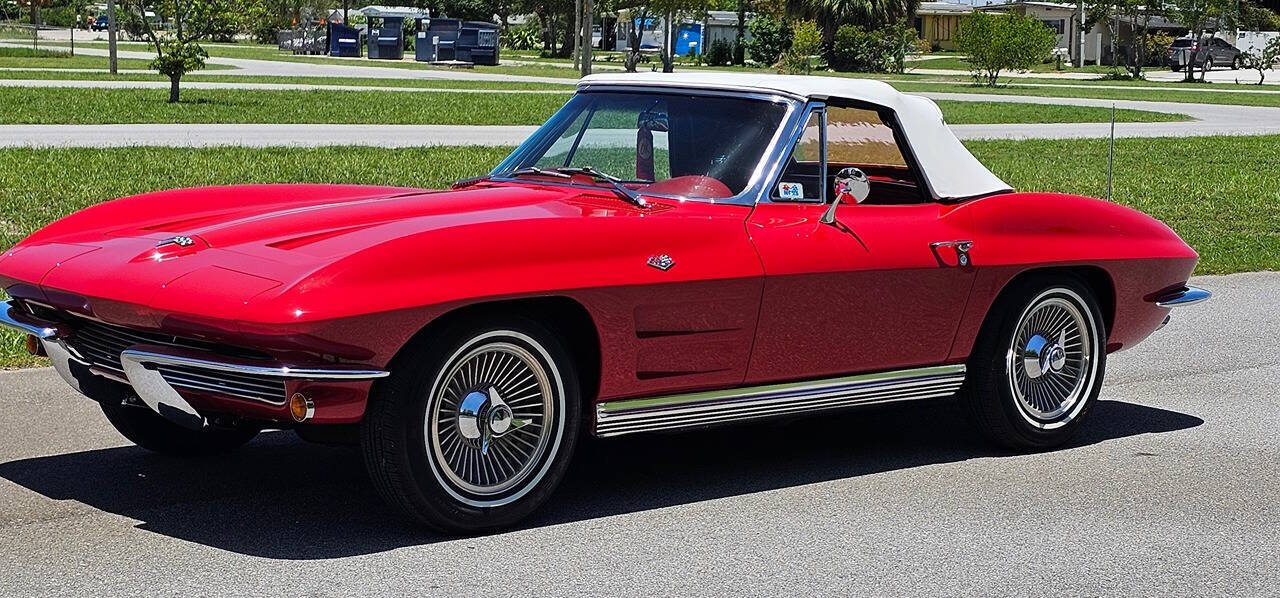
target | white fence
[{"x": 1254, "y": 41}]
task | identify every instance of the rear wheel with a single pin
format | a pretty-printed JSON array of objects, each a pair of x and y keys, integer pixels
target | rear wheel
[
  {"x": 145, "y": 428},
  {"x": 1235, "y": 63},
  {"x": 474, "y": 429},
  {"x": 1038, "y": 365}
]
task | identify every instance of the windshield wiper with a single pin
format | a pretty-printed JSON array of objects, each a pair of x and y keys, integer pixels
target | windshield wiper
[
  {"x": 623, "y": 191},
  {"x": 538, "y": 171}
]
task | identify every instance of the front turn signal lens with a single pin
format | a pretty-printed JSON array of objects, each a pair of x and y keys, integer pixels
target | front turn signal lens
[{"x": 301, "y": 408}]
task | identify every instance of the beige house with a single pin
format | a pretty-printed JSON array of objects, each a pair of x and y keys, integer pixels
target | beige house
[{"x": 938, "y": 22}]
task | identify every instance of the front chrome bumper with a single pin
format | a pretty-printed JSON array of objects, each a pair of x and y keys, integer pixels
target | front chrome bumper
[
  {"x": 1187, "y": 295},
  {"x": 143, "y": 366}
]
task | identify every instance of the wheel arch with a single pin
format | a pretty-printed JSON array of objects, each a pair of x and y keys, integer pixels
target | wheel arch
[
  {"x": 564, "y": 316},
  {"x": 1095, "y": 278}
]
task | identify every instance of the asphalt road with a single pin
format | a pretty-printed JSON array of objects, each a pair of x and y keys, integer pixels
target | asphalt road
[{"x": 1172, "y": 489}]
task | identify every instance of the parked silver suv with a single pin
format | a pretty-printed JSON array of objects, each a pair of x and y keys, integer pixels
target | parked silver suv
[{"x": 1214, "y": 49}]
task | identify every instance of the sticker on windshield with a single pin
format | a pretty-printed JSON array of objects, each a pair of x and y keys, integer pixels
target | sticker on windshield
[{"x": 790, "y": 190}]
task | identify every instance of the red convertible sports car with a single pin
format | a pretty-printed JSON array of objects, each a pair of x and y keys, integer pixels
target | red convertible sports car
[{"x": 666, "y": 252}]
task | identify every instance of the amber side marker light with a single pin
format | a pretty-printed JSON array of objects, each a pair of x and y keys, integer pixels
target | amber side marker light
[
  {"x": 301, "y": 408},
  {"x": 34, "y": 347}
]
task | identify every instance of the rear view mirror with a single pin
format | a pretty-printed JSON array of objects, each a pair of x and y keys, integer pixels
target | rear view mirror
[{"x": 652, "y": 121}]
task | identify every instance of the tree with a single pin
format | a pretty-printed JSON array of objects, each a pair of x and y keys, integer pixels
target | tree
[
  {"x": 177, "y": 52},
  {"x": 805, "y": 42},
  {"x": 1139, "y": 14},
  {"x": 831, "y": 14},
  {"x": 1195, "y": 14},
  {"x": 998, "y": 42},
  {"x": 770, "y": 37},
  {"x": 1263, "y": 59}
]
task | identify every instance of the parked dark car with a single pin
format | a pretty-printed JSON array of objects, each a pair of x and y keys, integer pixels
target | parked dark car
[
  {"x": 100, "y": 24},
  {"x": 1214, "y": 49}
]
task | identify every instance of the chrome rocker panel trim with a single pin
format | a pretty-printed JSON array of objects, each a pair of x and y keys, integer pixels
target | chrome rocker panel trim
[
  {"x": 698, "y": 409},
  {"x": 1188, "y": 295}
]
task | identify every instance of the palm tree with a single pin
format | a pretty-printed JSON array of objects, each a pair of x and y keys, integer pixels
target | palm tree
[{"x": 831, "y": 14}]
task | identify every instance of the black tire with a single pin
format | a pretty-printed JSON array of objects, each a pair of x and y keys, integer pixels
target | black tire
[
  {"x": 409, "y": 467},
  {"x": 1235, "y": 63},
  {"x": 145, "y": 428},
  {"x": 988, "y": 393}
]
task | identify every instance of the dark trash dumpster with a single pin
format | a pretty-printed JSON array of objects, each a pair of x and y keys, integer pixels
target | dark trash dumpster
[
  {"x": 344, "y": 41},
  {"x": 456, "y": 40},
  {"x": 386, "y": 39}
]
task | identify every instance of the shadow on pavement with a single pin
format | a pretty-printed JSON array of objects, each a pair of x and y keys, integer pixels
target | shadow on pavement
[{"x": 282, "y": 498}]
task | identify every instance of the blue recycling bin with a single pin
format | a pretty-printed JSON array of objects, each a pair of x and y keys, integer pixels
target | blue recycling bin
[{"x": 344, "y": 41}]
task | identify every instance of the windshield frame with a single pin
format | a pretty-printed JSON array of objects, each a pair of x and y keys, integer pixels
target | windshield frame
[{"x": 551, "y": 130}]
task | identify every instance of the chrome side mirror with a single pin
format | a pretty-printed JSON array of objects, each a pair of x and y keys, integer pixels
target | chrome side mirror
[{"x": 851, "y": 185}]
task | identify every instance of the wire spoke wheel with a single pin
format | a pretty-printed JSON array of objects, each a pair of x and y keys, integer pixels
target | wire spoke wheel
[
  {"x": 491, "y": 419},
  {"x": 1051, "y": 360}
]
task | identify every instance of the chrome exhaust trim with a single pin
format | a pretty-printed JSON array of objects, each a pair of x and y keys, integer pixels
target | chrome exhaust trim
[{"x": 691, "y": 410}]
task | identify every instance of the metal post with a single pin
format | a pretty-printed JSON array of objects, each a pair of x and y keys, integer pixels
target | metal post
[
  {"x": 1111, "y": 150},
  {"x": 73, "y": 37},
  {"x": 111, "y": 34}
]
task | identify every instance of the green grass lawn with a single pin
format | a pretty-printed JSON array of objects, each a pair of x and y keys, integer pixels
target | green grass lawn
[
  {"x": 57, "y": 59},
  {"x": 1218, "y": 203},
  {"x": 112, "y": 106},
  {"x": 960, "y": 64},
  {"x": 219, "y": 76}
]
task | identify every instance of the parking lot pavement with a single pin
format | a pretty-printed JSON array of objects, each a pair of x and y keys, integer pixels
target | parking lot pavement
[{"x": 1170, "y": 489}]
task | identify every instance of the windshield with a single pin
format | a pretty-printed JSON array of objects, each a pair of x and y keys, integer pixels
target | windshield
[{"x": 704, "y": 147}]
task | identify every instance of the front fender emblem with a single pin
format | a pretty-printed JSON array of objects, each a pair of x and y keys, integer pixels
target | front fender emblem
[
  {"x": 180, "y": 241},
  {"x": 662, "y": 262}
]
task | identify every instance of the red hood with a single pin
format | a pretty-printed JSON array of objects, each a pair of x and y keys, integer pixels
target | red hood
[{"x": 244, "y": 241}]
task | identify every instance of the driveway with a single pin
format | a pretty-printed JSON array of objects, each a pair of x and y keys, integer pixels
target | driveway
[{"x": 1171, "y": 489}]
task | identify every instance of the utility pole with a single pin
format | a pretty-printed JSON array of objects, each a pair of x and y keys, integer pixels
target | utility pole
[
  {"x": 111, "y": 34},
  {"x": 1080, "y": 38}
]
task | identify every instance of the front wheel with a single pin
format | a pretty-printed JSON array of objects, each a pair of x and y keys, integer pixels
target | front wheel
[
  {"x": 475, "y": 426},
  {"x": 1038, "y": 364}
]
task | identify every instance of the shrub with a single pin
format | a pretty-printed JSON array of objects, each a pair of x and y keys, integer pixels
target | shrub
[
  {"x": 524, "y": 37},
  {"x": 1263, "y": 59},
  {"x": 806, "y": 40},
  {"x": 872, "y": 51},
  {"x": 719, "y": 53},
  {"x": 998, "y": 42},
  {"x": 1157, "y": 44},
  {"x": 769, "y": 39}
]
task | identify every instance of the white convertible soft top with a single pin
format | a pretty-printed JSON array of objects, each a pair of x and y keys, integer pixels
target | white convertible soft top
[{"x": 950, "y": 171}]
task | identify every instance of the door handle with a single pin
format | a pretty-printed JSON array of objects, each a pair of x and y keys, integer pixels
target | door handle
[{"x": 962, "y": 250}]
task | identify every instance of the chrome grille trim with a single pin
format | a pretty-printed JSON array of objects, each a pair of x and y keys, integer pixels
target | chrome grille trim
[
  {"x": 615, "y": 418},
  {"x": 103, "y": 343}
]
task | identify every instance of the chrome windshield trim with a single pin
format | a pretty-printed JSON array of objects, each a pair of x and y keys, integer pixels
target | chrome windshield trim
[
  {"x": 13, "y": 316},
  {"x": 152, "y": 354},
  {"x": 697, "y": 409},
  {"x": 1188, "y": 295}
]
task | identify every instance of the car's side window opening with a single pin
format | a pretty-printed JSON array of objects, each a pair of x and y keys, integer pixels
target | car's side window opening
[{"x": 858, "y": 137}]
